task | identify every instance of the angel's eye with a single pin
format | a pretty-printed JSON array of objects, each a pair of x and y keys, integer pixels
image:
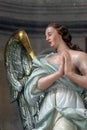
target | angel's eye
[{"x": 49, "y": 34}]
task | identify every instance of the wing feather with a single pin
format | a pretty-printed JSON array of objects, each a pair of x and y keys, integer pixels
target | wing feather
[{"x": 18, "y": 66}]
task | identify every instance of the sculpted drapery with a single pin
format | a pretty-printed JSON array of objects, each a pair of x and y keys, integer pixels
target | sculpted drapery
[{"x": 61, "y": 101}]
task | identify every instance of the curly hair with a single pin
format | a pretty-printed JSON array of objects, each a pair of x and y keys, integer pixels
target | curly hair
[{"x": 66, "y": 36}]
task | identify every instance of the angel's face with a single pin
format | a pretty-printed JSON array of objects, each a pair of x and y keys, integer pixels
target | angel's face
[{"x": 52, "y": 37}]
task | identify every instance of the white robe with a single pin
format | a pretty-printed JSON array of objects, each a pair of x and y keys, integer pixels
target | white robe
[{"x": 62, "y": 103}]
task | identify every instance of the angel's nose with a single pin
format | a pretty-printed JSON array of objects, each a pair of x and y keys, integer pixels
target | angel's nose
[{"x": 47, "y": 38}]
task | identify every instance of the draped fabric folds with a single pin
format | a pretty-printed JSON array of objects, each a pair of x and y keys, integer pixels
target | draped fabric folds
[{"x": 63, "y": 97}]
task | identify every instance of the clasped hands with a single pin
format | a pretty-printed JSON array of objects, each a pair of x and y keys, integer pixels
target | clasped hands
[{"x": 66, "y": 66}]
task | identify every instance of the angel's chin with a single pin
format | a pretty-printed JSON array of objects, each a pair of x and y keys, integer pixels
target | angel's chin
[{"x": 52, "y": 45}]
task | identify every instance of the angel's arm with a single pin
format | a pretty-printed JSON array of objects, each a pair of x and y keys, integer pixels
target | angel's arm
[
  {"x": 80, "y": 79},
  {"x": 47, "y": 81}
]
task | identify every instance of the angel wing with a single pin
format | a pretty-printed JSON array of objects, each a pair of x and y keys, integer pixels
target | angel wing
[{"x": 18, "y": 64}]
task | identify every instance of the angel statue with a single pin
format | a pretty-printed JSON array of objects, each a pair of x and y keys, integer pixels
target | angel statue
[{"x": 51, "y": 88}]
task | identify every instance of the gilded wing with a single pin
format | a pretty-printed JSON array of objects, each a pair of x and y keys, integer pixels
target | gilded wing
[
  {"x": 18, "y": 61},
  {"x": 18, "y": 64}
]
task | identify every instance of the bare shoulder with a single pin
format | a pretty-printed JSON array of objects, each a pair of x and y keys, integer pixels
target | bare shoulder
[
  {"x": 78, "y": 54},
  {"x": 82, "y": 61},
  {"x": 82, "y": 56}
]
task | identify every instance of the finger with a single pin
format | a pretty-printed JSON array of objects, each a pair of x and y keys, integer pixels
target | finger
[
  {"x": 61, "y": 60},
  {"x": 67, "y": 57}
]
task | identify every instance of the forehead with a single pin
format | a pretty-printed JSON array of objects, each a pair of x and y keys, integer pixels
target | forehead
[{"x": 49, "y": 30}]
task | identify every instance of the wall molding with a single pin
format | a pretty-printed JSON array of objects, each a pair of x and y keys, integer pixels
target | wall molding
[
  {"x": 28, "y": 10},
  {"x": 8, "y": 25}
]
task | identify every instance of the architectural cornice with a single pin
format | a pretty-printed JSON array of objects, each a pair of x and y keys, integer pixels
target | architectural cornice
[
  {"x": 43, "y": 8},
  {"x": 8, "y": 25},
  {"x": 34, "y": 16},
  {"x": 30, "y": 10}
]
